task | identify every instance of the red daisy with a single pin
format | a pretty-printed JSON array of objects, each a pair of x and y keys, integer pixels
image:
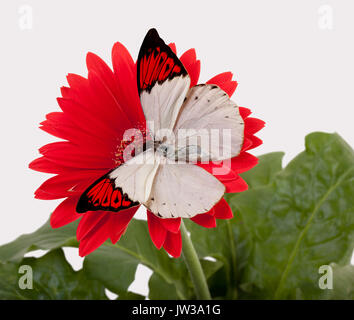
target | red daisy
[{"x": 96, "y": 111}]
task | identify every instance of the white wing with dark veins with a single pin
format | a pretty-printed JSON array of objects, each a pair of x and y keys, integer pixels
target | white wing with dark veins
[{"x": 209, "y": 123}]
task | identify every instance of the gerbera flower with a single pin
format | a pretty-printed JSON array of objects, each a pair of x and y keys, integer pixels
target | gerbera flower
[{"x": 96, "y": 112}]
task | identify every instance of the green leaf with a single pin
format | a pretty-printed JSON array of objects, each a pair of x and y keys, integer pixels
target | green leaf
[
  {"x": 159, "y": 289},
  {"x": 268, "y": 166},
  {"x": 53, "y": 279},
  {"x": 343, "y": 282},
  {"x": 210, "y": 267},
  {"x": 338, "y": 283},
  {"x": 9, "y": 289},
  {"x": 128, "y": 295},
  {"x": 44, "y": 238},
  {"x": 111, "y": 266},
  {"x": 301, "y": 220}
]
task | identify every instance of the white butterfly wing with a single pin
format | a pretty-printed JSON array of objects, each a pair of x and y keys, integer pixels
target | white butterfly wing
[
  {"x": 162, "y": 104},
  {"x": 209, "y": 123},
  {"x": 136, "y": 176},
  {"x": 183, "y": 190}
]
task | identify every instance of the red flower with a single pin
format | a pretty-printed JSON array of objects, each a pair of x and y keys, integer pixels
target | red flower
[{"x": 95, "y": 113}]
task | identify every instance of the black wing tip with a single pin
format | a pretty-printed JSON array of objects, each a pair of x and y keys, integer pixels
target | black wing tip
[
  {"x": 152, "y": 38},
  {"x": 80, "y": 206},
  {"x": 152, "y": 32}
]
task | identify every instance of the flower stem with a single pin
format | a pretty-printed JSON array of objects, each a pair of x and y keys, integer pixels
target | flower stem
[{"x": 194, "y": 267}]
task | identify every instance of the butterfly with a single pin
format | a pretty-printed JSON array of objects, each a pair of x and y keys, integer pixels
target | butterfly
[{"x": 163, "y": 176}]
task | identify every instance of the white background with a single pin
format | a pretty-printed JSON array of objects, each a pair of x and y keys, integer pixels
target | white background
[{"x": 294, "y": 71}]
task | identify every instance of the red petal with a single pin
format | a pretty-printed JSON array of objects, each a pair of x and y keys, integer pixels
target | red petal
[
  {"x": 243, "y": 162},
  {"x": 253, "y": 125},
  {"x": 188, "y": 57},
  {"x": 192, "y": 65},
  {"x": 229, "y": 87},
  {"x": 60, "y": 125},
  {"x": 116, "y": 237},
  {"x": 96, "y": 237},
  {"x": 67, "y": 154},
  {"x": 84, "y": 104},
  {"x": 244, "y": 112},
  {"x": 173, "y": 244},
  {"x": 224, "y": 81},
  {"x": 76, "y": 81},
  {"x": 72, "y": 182},
  {"x": 96, "y": 64},
  {"x": 113, "y": 113},
  {"x": 44, "y": 165},
  {"x": 255, "y": 142},
  {"x": 67, "y": 131},
  {"x": 247, "y": 144},
  {"x": 56, "y": 117},
  {"x": 119, "y": 222},
  {"x": 89, "y": 222},
  {"x": 223, "y": 210},
  {"x": 127, "y": 89},
  {"x": 194, "y": 72},
  {"x": 66, "y": 92},
  {"x": 237, "y": 185},
  {"x": 42, "y": 195},
  {"x": 88, "y": 120},
  {"x": 171, "y": 225},
  {"x": 87, "y": 108},
  {"x": 157, "y": 231},
  {"x": 172, "y": 45},
  {"x": 65, "y": 213},
  {"x": 227, "y": 173},
  {"x": 220, "y": 78},
  {"x": 205, "y": 220}
]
